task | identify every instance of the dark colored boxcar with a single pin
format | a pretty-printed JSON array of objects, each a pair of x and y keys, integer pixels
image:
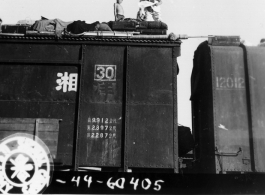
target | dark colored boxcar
[
  {"x": 117, "y": 97},
  {"x": 228, "y": 108}
]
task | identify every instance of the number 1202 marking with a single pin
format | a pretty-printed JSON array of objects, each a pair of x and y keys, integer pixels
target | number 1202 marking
[
  {"x": 230, "y": 83},
  {"x": 105, "y": 73}
]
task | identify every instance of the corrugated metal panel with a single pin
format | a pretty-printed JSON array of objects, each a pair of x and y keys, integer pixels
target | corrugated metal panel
[
  {"x": 100, "y": 122},
  {"x": 256, "y": 67},
  {"x": 230, "y": 110},
  {"x": 150, "y": 136},
  {"x": 149, "y": 109}
]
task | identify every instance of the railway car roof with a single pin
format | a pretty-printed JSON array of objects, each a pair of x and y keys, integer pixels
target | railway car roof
[{"x": 96, "y": 36}]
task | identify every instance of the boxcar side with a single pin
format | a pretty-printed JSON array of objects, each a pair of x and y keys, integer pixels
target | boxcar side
[{"x": 116, "y": 98}]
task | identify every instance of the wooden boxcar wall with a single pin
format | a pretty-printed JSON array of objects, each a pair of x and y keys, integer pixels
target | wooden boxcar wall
[
  {"x": 117, "y": 99},
  {"x": 228, "y": 113}
]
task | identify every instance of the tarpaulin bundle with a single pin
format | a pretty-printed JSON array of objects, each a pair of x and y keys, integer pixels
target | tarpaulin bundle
[
  {"x": 78, "y": 27},
  {"x": 152, "y": 25},
  {"x": 128, "y": 25},
  {"x": 133, "y": 24},
  {"x": 44, "y": 25},
  {"x": 50, "y": 25},
  {"x": 61, "y": 25}
]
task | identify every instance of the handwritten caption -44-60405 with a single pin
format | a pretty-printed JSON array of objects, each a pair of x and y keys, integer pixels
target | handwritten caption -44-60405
[{"x": 118, "y": 183}]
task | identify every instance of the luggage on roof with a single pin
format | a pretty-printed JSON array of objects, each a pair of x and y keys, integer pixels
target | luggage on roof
[
  {"x": 152, "y": 31},
  {"x": 15, "y": 28},
  {"x": 144, "y": 27},
  {"x": 80, "y": 26},
  {"x": 48, "y": 27}
]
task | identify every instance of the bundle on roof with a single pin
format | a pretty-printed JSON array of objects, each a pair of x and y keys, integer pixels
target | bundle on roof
[
  {"x": 78, "y": 27},
  {"x": 144, "y": 27},
  {"x": 50, "y": 25}
]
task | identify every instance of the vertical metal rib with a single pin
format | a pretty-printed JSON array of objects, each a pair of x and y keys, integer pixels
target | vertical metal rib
[
  {"x": 175, "y": 110},
  {"x": 80, "y": 97},
  {"x": 249, "y": 110}
]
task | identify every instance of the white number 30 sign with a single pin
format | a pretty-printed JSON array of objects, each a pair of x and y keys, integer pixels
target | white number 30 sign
[{"x": 105, "y": 73}]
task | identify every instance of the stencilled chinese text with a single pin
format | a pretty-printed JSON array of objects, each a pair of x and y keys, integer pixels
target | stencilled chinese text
[
  {"x": 67, "y": 82},
  {"x": 105, "y": 89},
  {"x": 101, "y": 128}
]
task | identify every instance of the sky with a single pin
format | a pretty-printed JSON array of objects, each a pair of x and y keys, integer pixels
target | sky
[{"x": 245, "y": 18}]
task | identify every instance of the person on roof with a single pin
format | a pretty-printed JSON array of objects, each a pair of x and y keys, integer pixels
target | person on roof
[
  {"x": 149, "y": 10},
  {"x": 262, "y": 42},
  {"x": 157, "y": 10},
  {"x": 0, "y": 25},
  {"x": 118, "y": 11}
]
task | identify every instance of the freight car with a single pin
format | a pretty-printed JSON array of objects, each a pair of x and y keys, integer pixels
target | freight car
[
  {"x": 228, "y": 107},
  {"x": 109, "y": 103}
]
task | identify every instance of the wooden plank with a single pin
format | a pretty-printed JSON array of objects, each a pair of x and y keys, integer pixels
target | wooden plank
[
  {"x": 29, "y": 127},
  {"x": 50, "y": 136},
  {"x": 17, "y": 120},
  {"x": 4, "y": 134},
  {"x": 27, "y": 120},
  {"x": 48, "y": 127},
  {"x": 51, "y": 141},
  {"x": 45, "y": 120},
  {"x": 17, "y": 127}
]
